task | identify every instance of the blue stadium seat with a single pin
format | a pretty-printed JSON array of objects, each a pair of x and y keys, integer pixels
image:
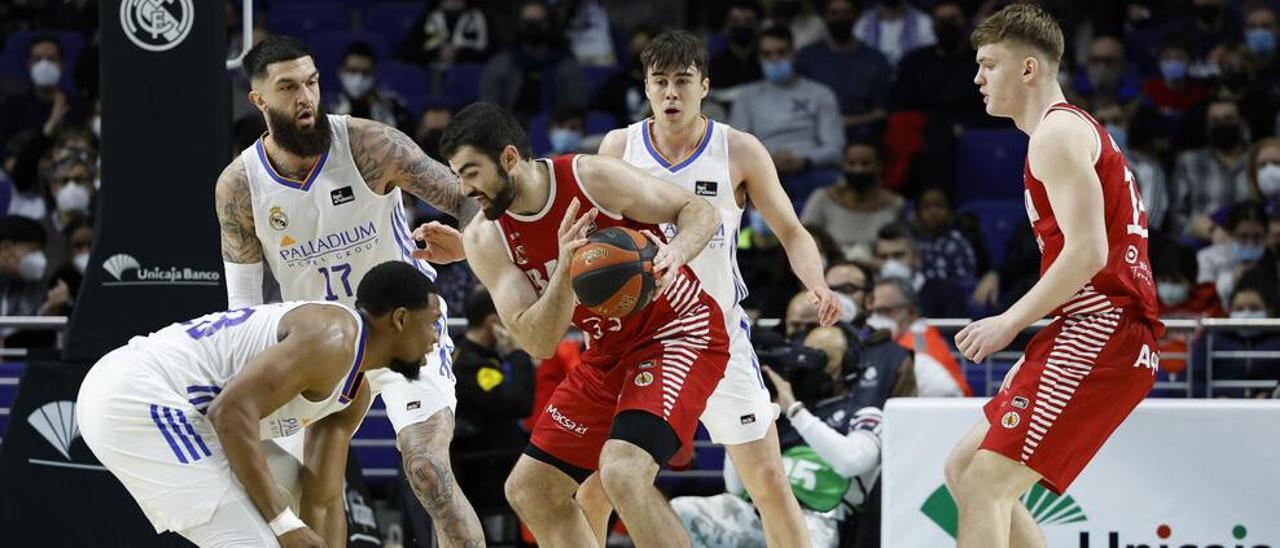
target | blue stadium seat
[
  {"x": 393, "y": 20},
  {"x": 599, "y": 121},
  {"x": 595, "y": 77},
  {"x": 999, "y": 219},
  {"x": 329, "y": 46},
  {"x": 306, "y": 19},
  {"x": 716, "y": 43},
  {"x": 406, "y": 79},
  {"x": 462, "y": 82},
  {"x": 989, "y": 164}
]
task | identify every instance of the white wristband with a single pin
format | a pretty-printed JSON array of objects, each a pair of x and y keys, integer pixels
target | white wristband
[
  {"x": 793, "y": 409},
  {"x": 286, "y": 521}
]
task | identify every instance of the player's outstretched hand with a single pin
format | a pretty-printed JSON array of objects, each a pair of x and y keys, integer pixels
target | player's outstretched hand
[
  {"x": 665, "y": 263},
  {"x": 828, "y": 307},
  {"x": 438, "y": 243},
  {"x": 984, "y": 337},
  {"x": 301, "y": 538},
  {"x": 573, "y": 231}
]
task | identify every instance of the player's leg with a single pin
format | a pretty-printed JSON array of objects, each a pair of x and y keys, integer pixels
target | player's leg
[
  {"x": 421, "y": 412},
  {"x": 628, "y": 468},
  {"x": 1023, "y": 530},
  {"x": 759, "y": 465},
  {"x": 595, "y": 506},
  {"x": 564, "y": 449},
  {"x": 986, "y": 495},
  {"x": 235, "y": 524}
]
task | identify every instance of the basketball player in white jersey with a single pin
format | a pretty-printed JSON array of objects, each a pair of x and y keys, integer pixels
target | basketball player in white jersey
[
  {"x": 318, "y": 198},
  {"x": 726, "y": 167},
  {"x": 180, "y": 415}
]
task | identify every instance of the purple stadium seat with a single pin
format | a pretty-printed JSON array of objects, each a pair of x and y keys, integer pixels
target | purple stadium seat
[
  {"x": 989, "y": 164},
  {"x": 306, "y": 19},
  {"x": 393, "y": 19}
]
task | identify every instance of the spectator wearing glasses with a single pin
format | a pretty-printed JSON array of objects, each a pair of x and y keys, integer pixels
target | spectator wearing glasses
[
  {"x": 852, "y": 280},
  {"x": 894, "y": 307}
]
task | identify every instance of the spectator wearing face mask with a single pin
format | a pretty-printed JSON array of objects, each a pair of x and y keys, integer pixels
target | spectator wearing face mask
[
  {"x": 1260, "y": 31},
  {"x": 586, "y": 24},
  {"x": 739, "y": 63},
  {"x": 44, "y": 107},
  {"x": 64, "y": 283},
  {"x": 853, "y": 280},
  {"x": 71, "y": 186},
  {"x": 1153, "y": 183},
  {"x": 1210, "y": 25},
  {"x": 937, "y": 80},
  {"x": 1209, "y": 178},
  {"x": 1179, "y": 295},
  {"x": 797, "y": 119},
  {"x": 567, "y": 131},
  {"x": 766, "y": 270},
  {"x": 1248, "y": 302},
  {"x": 1238, "y": 80},
  {"x": 894, "y": 307},
  {"x": 435, "y": 117},
  {"x": 1106, "y": 74},
  {"x": 894, "y": 27},
  {"x": 22, "y": 268},
  {"x": 454, "y": 32},
  {"x": 1224, "y": 262},
  {"x": 361, "y": 97},
  {"x": 896, "y": 254},
  {"x": 1264, "y": 175},
  {"x": 854, "y": 208},
  {"x": 536, "y": 75},
  {"x": 1173, "y": 92},
  {"x": 859, "y": 74}
]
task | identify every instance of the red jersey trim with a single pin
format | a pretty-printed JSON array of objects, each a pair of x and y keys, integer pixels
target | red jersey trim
[
  {"x": 551, "y": 196},
  {"x": 1097, "y": 139},
  {"x": 578, "y": 178}
]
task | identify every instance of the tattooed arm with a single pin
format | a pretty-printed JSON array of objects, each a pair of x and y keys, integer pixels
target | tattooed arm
[
  {"x": 241, "y": 250},
  {"x": 387, "y": 158},
  {"x": 425, "y": 449}
]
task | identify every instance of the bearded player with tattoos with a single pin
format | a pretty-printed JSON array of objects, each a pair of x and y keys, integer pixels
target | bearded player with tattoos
[{"x": 318, "y": 199}]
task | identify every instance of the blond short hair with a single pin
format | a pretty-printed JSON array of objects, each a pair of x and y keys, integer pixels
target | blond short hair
[{"x": 1024, "y": 24}]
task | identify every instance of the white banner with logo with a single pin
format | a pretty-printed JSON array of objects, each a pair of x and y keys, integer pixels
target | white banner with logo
[{"x": 1184, "y": 473}]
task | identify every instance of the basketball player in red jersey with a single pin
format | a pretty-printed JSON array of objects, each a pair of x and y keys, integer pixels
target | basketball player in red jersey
[
  {"x": 645, "y": 378},
  {"x": 1086, "y": 371}
]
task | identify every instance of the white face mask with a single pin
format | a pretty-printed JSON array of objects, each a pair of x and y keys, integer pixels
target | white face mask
[
  {"x": 96, "y": 126},
  {"x": 894, "y": 268},
  {"x": 80, "y": 261},
  {"x": 31, "y": 266},
  {"x": 45, "y": 73},
  {"x": 73, "y": 196},
  {"x": 356, "y": 85},
  {"x": 880, "y": 321},
  {"x": 848, "y": 308},
  {"x": 1269, "y": 180}
]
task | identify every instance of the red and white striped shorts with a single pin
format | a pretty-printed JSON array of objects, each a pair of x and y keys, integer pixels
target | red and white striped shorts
[{"x": 1080, "y": 377}]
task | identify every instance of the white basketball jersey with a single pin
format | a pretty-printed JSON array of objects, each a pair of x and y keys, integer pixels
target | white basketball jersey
[
  {"x": 321, "y": 235},
  {"x": 706, "y": 174},
  {"x": 198, "y": 358}
]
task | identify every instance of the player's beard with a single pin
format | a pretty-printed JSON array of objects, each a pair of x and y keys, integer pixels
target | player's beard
[
  {"x": 299, "y": 141},
  {"x": 404, "y": 367},
  {"x": 502, "y": 200}
]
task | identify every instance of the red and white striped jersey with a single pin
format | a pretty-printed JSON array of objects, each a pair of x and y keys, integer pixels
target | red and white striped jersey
[{"x": 1126, "y": 280}]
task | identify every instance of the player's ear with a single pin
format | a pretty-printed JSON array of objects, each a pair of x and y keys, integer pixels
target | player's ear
[
  {"x": 510, "y": 157},
  {"x": 1030, "y": 66},
  {"x": 257, "y": 100},
  {"x": 706, "y": 87},
  {"x": 399, "y": 318}
]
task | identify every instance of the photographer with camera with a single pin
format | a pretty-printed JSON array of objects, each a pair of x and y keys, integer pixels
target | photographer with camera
[{"x": 830, "y": 383}]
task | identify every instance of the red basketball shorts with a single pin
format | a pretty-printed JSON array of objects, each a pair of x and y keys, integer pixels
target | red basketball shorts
[
  {"x": 669, "y": 375},
  {"x": 1080, "y": 377}
]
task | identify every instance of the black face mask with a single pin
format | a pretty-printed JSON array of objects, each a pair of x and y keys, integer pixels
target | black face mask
[
  {"x": 743, "y": 37},
  {"x": 860, "y": 181},
  {"x": 1235, "y": 80},
  {"x": 534, "y": 32},
  {"x": 431, "y": 143},
  {"x": 1225, "y": 137},
  {"x": 950, "y": 34},
  {"x": 840, "y": 30}
]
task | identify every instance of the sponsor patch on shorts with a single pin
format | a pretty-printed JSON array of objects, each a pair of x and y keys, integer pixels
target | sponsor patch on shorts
[{"x": 1019, "y": 402}]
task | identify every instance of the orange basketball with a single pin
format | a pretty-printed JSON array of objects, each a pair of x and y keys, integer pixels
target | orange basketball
[{"x": 613, "y": 273}]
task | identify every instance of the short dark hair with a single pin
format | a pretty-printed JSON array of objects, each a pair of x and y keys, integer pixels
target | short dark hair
[
  {"x": 564, "y": 113},
  {"x": 21, "y": 230},
  {"x": 479, "y": 306},
  {"x": 905, "y": 289},
  {"x": 44, "y": 38},
  {"x": 748, "y": 5},
  {"x": 893, "y": 231},
  {"x": 392, "y": 285},
  {"x": 675, "y": 49},
  {"x": 487, "y": 127},
  {"x": 274, "y": 49},
  {"x": 360, "y": 49},
  {"x": 1246, "y": 211},
  {"x": 779, "y": 32}
]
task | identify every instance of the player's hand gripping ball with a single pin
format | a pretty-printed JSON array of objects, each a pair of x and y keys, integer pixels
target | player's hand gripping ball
[{"x": 613, "y": 273}]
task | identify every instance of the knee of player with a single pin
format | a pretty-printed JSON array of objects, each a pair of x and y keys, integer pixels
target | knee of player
[
  {"x": 953, "y": 469},
  {"x": 625, "y": 470}
]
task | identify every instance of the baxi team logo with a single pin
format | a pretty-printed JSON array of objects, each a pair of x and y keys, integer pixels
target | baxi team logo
[{"x": 156, "y": 25}]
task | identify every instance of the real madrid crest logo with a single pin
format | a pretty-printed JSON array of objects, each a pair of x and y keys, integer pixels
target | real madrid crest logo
[
  {"x": 278, "y": 219},
  {"x": 156, "y": 25}
]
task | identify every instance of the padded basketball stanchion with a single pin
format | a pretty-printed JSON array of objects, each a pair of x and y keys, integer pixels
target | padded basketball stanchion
[{"x": 166, "y": 135}]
